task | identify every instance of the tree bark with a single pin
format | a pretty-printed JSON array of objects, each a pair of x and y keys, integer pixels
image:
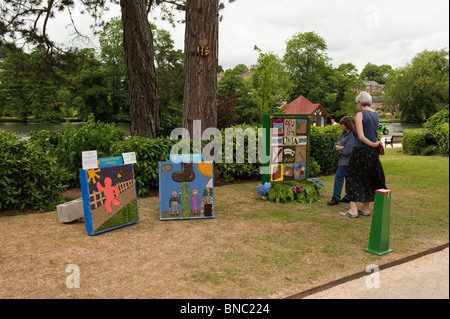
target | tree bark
[
  {"x": 200, "y": 81},
  {"x": 140, "y": 53}
]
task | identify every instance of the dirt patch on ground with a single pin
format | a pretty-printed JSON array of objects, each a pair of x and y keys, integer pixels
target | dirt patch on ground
[{"x": 251, "y": 249}]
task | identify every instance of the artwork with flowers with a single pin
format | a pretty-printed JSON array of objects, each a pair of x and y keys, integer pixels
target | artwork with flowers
[{"x": 305, "y": 191}]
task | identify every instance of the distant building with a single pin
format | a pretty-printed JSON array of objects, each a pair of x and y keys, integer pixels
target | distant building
[
  {"x": 302, "y": 105},
  {"x": 372, "y": 86}
]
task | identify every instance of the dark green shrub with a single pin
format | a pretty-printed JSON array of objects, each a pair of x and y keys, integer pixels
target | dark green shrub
[
  {"x": 321, "y": 149},
  {"x": 283, "y": 192},
  {"x": 149, "y": 152},
  {"x": 241, "y": 147},
  {"x": 68, "y": 145},
  {"x": 29, "y": 177},
  {"x": 441, "y": 137},
  {"x": 313, "y": 168},
  {"x": 415, "y": 140}
]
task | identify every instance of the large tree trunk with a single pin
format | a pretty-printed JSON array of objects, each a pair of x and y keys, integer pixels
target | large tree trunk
[
  {"x": 200, "y": 81},
  {"x": 140, "y": 53}
]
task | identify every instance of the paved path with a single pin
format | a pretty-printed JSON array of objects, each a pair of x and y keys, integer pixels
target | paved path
[{"x": 424, "y": 276}]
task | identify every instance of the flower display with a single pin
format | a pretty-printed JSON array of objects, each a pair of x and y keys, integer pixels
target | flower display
[
  {"x": 313, "y": 179},
  {"x": 297, "y": 189},
  {"x": 263, "y": 189}
]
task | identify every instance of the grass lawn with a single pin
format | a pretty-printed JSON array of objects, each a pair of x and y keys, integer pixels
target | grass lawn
[{"x": 253, "y": 248}]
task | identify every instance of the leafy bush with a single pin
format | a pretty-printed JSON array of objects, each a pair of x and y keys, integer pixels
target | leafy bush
[
  {"x": 68, "y": 145},
  {"x": 441, "y": 137},
  {"x": 415, "y": 140},
  {"x": 29, "y": 177},
  {"x": 149, "y": 152},
  {"x": 283, "y": 192},
  {"x": 241, "y": 148},
  {"x": 321, "y": 149},
  {"x": 437, "y": 119}
]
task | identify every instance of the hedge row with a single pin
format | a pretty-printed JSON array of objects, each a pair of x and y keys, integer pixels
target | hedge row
[
  {"x": 431, "y": 139},
  {"x": 34, "y": 173}
]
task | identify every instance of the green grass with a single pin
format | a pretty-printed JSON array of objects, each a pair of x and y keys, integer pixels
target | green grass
[{"x": 311, "y": 241}]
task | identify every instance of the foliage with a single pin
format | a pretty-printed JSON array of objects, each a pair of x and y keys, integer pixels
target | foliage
[
  {"x": 421, "y": 88},
  {"x": 68, "y": 145},
  {"x": 437, "y": 125},
  {"x": 415, "y": 140},
  {"x": 113, "y": 56},
  {"x": 148, "y": 153},
  {"x": 29, "y": 177},
  {"x": 441, "y": 136},
  {"x": 431, "y": 139},
  {"x": 232, "y": 167},
  {"x": 287, "y": 192},
  {"x": 376, "y": 73},
  {"x": 307, "y": 62},
  {"x": 321, "y": 149},
  {"x": 271, "y": 83}
]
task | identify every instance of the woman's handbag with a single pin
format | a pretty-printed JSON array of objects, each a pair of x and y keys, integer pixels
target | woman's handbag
[
  {"x": 380, "y": 146},
  {"x": 381, "y": 149}
]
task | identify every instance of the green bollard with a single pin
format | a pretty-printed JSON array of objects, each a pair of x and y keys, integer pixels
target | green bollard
[{"x": 379, "y": 231}]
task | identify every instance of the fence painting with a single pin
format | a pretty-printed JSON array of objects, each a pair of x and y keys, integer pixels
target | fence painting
[{"x": 109, "y": 198}]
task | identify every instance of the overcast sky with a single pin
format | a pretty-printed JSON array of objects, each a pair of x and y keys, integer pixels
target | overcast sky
[{"x": 359, "y": 32}]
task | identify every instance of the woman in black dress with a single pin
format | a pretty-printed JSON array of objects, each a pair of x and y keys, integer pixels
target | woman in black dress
[{"x": 364, "y": 173}]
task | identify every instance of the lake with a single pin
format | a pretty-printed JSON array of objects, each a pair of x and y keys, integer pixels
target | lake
[{"x": 23, "y": 129}]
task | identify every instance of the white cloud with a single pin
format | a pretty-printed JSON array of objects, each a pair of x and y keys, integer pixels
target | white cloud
[{"x": 380, "y": 32}]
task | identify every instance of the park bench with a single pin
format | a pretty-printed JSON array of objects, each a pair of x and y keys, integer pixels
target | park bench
[{"x": 394, "y": 138}]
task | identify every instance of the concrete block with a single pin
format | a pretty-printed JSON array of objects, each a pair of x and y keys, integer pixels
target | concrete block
[{"x": 70, "y": 211}]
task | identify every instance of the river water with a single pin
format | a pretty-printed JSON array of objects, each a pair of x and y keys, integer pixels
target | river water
[{"x": 23, "y": 129}]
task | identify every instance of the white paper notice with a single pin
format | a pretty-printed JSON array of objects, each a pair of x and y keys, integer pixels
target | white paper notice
[
  {"x": 89, "y": 159},
  {"x": 129, "y": 158}
]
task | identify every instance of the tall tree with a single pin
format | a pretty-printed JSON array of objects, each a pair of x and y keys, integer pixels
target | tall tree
[
  {"x": 140, "y": 54},
  {"x": 271, "y": 83},
  {"x": 420, "y": 88},
  {"x": 307, "y": 62},
  {"x": 376, "y": 73},
  {"x": 200, "y": 79},
  {"x": 27, "y": 22}
]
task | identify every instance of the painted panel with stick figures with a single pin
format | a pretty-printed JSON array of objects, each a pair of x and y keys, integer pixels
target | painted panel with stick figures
[
  {"x": 186, "y": 190},
  {"x": 109, "y": 198}
]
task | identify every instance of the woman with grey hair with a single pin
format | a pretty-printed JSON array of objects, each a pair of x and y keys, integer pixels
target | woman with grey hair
[{"x": 364, "y": 172}]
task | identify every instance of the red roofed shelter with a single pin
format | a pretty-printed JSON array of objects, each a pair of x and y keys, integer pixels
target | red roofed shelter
[{"x": 302, "y": 105}]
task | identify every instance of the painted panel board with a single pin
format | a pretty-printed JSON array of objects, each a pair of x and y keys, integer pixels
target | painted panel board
[
  {"x": 186, "y": 190},
  {"x": 109, "y": 198},
  {"x": 288, "y": 149}
]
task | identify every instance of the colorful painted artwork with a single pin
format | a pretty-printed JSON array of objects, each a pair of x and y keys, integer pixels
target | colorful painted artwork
[
  {"x": 288, "y": 148},
  {"x": 109, "y": 198},
  {"x": 186, "y": 190}
]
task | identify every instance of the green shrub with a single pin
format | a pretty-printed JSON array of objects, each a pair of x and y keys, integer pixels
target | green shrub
[
  {"x": 313, "y": 168},
  {"x": 283, "y": 192},
  {"x": 149, "y": 152},
  {"x": 29, "y": 177},
  {"x": 321, "y": 149},
  {"x": 415, "y": 140},
  {"x": 441, "y": 137},
  {"x": 68, "y": 145},
  {"x": 241, "y": 148}
]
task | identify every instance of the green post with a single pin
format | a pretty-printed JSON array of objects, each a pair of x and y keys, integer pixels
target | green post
[{"x": 379, "y": 231}]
